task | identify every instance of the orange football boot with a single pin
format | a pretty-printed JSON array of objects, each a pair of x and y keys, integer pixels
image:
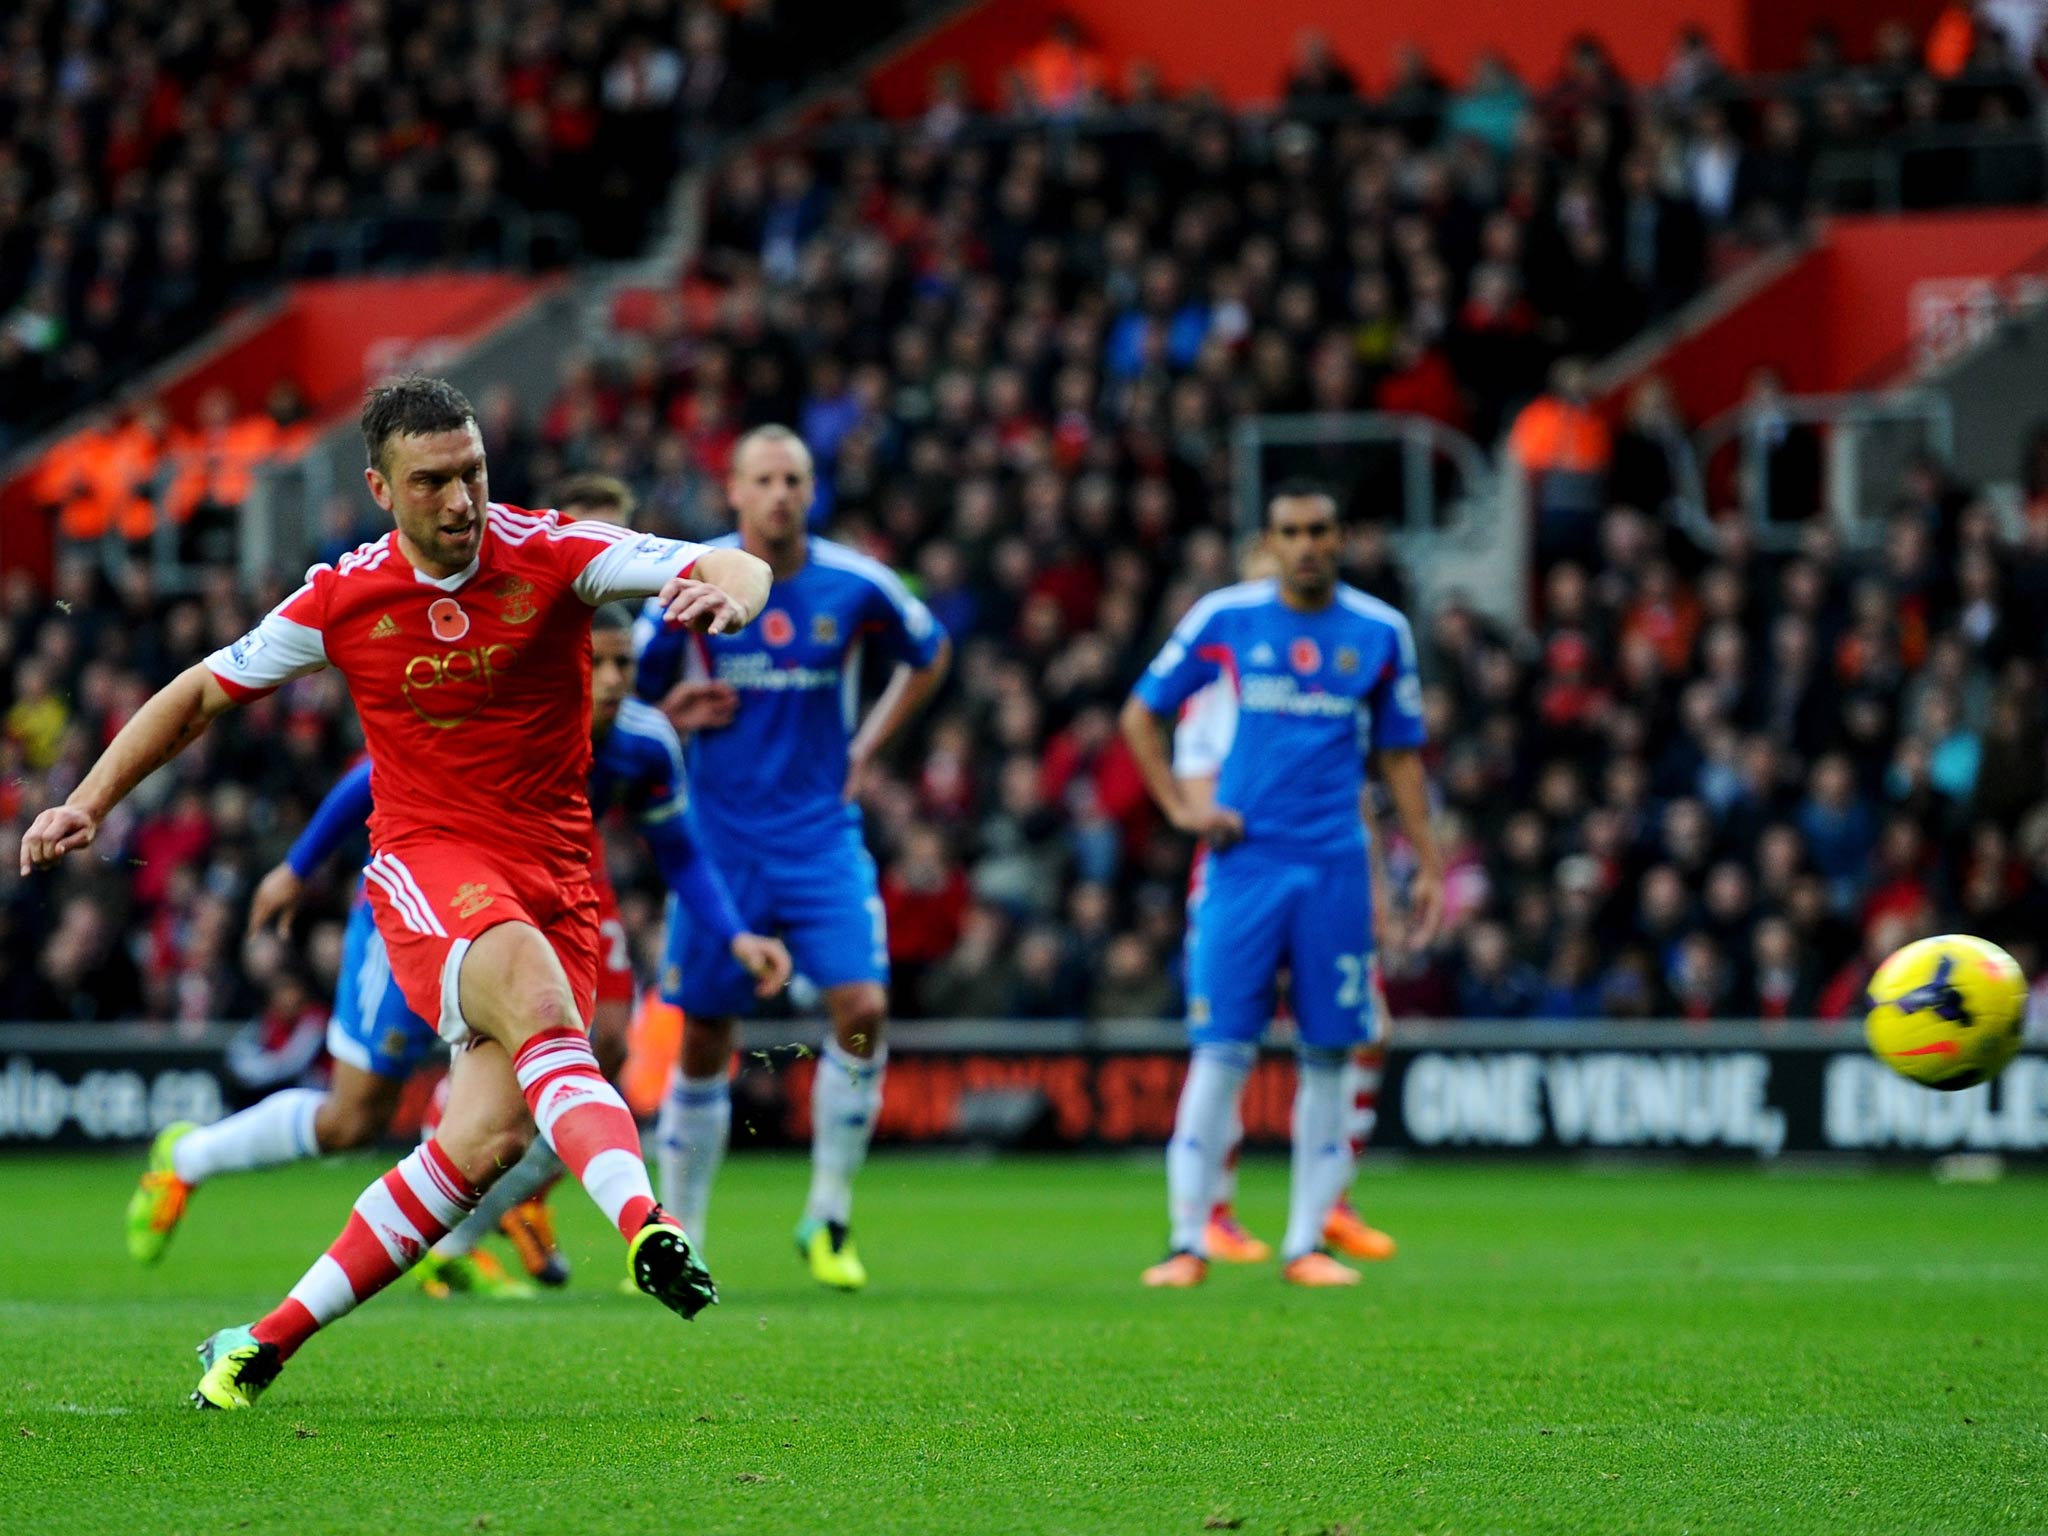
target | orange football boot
[
  {"x": 1317, "y": 1268},
  {"x": 1177, "y": 1272},
  {"x": 1229, "y": 1243},
  {"x": 530, "y": 1228},
  {"x": 1345, "y": 1231}
]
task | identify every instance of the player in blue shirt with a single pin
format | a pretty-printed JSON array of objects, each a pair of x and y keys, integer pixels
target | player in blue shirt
[
  {"x": 377, "y": 1042},
  {"x": 1323, "y": 675},
  {"x": 777, "y": 785}
]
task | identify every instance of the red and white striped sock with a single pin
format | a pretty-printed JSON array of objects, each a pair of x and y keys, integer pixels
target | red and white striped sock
[
  {"x": 1226, "y": 1183},
  {"x": 587, "y": 1123},
  {"x": 395, "y": 1221},
  {"x": 1362, "y": 1093}
]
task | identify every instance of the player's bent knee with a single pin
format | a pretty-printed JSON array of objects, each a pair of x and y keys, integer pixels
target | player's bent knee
[
  {"x": 860, "y": 1015},
  {"x": 342, "y": 1125},
  {"x": 499, "y": 1149},
  {"x": 707, "y": 1045},
  {"x": 512, "y": 986},
  {"x": 547, "y": 1007},
  {"x": 356, "y": 1111}
]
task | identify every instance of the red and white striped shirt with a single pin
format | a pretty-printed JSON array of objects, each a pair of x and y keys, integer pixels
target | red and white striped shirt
[{"x": 474, "y": 689}]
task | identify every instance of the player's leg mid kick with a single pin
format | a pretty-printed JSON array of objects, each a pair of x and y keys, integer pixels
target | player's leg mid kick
[{"x": 480, "y": 876}]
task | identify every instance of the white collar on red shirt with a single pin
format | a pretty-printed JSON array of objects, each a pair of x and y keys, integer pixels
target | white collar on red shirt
[
  {"x": 446, "y": 583},
  {"x": 449, "y": 583}
]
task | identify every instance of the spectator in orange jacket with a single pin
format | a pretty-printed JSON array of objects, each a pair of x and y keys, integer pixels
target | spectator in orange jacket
[
  {"x": 1564, "y": 448},
  {"x": 1952, "y": 40},
  {"x": 215, "y": 462},
  {"x": 1062, "y": 76},
  {"x": 100, "y": 480}
]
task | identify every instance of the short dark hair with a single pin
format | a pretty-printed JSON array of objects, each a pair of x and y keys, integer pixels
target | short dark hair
[
  {"x": 599, "y": 493},
  {"x": 610, "y": 617},
  {"x": 414, "y": 406},
  {"x": 1300, "y": 488}
]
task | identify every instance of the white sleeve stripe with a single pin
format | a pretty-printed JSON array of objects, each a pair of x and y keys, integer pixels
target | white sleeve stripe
[
  {"x": 1365, "y": 604},
  {"x": 602, "y": 532},
  {"x": 917, "y": 618},
  {"x": 651, "y": 725},
  {"x": 1246, "y": 594},
  {"x": 277, "y": 650},
  {"x": 875, "y": 571},
  {"x": 633, "y": 567}
]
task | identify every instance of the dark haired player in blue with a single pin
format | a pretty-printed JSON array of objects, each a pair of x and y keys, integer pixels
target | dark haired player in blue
[
  {"x": 377, "y": 1042},
  {"x": 1323, "y": 675},
  {"x": 776, "y": 800}
]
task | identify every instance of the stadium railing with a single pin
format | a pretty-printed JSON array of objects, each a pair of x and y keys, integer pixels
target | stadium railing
[
  {"x": 1866, "y": 438},
  {"x": 499, "y": 233},
  {"x": 1452, "y": 515},
  {"x": 1747, "y": 1090}
]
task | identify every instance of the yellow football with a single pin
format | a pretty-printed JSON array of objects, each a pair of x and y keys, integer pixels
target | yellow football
[{"x": 1947, "y": 1011}]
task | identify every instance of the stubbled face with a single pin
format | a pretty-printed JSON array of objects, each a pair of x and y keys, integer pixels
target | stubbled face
[
  {"x": 611, "y": 676},
  {"x": 1302, "y": 536},
  {"x": 435, "y": 486},
  {"x": 771, "y": 489}
]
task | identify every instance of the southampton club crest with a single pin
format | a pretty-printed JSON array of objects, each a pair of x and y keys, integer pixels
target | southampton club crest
[{"x": 517, "y": 596}]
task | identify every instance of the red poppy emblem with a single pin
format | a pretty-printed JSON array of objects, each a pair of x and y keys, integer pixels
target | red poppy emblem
[
  {"x": 448, "y": 620},
  {"x": 776, "y": 627},
  {"x": 1305, "y": 656}
]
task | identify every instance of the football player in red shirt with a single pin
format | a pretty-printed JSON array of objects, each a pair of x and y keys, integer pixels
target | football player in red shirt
[{"x": 464, "y": 636}]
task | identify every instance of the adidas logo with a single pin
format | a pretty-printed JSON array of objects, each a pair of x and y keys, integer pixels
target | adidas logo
[
  {"x": 384, "y": 628},
  {"x": 1262, "y": 655}
]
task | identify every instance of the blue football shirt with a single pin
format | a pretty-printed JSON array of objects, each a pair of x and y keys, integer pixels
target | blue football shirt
[
  {"x": 777, "y": 773},
  {"x": 638, "y": 764},
  {"x": 1316, "y": 692}
]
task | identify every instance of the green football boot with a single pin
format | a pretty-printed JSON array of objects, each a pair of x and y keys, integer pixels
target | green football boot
[
  {"x": 664, "y": 1264},
  {"x": 827, "y": 1247},
  {"x": 158, "y": 1203},
  {"x": 238, "y": 1366},
  {"x": 473, "y": 1274}
]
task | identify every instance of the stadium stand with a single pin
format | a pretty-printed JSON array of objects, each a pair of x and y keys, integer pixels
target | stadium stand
[
  {"x": 1708, "y": 781},
  {"x": 156, "y": 165}
]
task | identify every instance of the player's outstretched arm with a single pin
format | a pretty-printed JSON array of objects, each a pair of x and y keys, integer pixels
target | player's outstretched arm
[
  {"x": 1146, "y": 734},
  {"x": 725, "y": 591},
  {"x": 170, "y": 722}
]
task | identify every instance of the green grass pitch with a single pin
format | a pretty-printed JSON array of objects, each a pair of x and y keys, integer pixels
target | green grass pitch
[{"x": 1556, "y": 1349}]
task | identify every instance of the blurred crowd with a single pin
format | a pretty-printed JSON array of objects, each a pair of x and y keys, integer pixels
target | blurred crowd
[
  {"x": 1708, "y": 782},
  {"x": 158, "y": 161},
  {"x": 1715, "y": 783},
  {"x": 150, "y": 924}
]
